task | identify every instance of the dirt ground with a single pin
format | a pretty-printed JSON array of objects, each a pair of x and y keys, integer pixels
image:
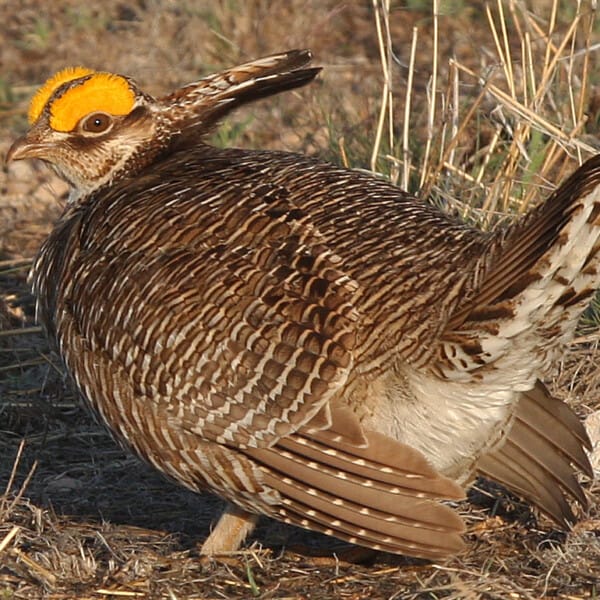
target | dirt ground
[{"x": 79, "y": 518}]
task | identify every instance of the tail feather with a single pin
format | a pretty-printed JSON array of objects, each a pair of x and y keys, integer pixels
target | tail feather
[
  {"x": 530, "y": 289},
  {"x": 556, "y": 422},
  {"x": 541, "y": 455},
  {"x": 507, "y": 468},
  {"x": 550, "y": 232}
]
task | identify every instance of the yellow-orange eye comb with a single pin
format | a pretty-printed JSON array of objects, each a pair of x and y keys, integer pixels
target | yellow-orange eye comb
[{"x": 101, "y": 92}]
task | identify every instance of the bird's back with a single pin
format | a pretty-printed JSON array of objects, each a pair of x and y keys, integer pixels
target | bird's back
[{"x": 411, "y": 263}]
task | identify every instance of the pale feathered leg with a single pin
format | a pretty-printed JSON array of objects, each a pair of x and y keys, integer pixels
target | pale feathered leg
[{"x": 234, "y": 525}]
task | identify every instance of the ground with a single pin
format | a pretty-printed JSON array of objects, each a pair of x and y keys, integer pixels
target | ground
[{"x": 80, "y": 518}]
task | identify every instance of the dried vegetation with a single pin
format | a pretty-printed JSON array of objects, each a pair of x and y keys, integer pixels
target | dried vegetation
[{"x": 482, "y": 108}]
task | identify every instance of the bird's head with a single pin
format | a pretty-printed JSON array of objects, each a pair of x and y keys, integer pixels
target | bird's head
[
  {"x": 95, "y": 127},
  {"x": 88, "y": 125}
]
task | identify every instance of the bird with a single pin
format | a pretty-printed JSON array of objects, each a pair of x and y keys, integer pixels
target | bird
[{"x": 307, "y": 341}]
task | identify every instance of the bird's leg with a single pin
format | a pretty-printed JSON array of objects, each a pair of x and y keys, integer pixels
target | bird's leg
[{"x": 234, "y": 525}]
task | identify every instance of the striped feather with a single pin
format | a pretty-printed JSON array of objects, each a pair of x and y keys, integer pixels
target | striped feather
[
  {"x": 307, "y": 341},
  {"x": 540, "y": 458}
]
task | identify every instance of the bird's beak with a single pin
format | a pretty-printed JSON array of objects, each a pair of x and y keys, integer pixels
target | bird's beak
[{"x": 26, "y": 147}]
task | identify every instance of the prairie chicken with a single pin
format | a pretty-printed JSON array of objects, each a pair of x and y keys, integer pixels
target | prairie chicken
[{"x": 307, "y": 341}]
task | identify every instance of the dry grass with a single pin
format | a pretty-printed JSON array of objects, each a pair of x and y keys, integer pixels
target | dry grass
[{"x": 482, "y": 108}]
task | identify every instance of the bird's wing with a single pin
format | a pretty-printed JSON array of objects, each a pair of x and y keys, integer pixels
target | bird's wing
[
  {"x": 235, "y": 319},
  {"x": 381, "y": 494}
]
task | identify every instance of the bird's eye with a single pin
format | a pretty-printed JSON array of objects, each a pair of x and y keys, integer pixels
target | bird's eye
[{"x": 96, "y": 123}]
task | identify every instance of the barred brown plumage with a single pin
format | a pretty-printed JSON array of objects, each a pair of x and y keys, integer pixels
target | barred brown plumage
[{"x": 307, "y": 341}]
